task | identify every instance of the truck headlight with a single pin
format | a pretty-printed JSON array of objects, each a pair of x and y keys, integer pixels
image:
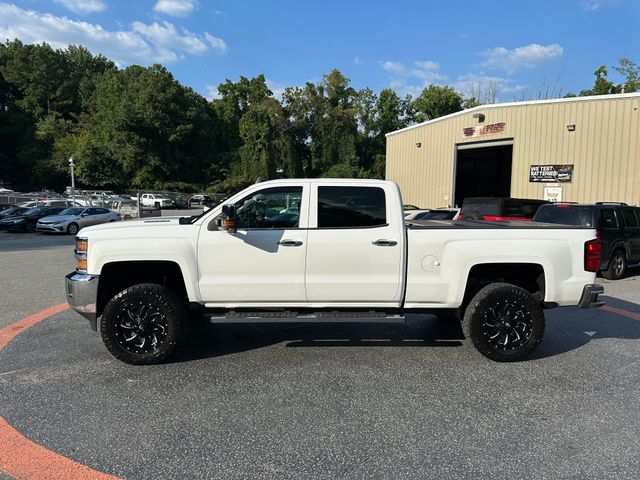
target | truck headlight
[{"x": 82, "y": 245}]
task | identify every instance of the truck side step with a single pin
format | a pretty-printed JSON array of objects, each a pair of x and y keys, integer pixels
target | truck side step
[{"x": 296, "y": 317}]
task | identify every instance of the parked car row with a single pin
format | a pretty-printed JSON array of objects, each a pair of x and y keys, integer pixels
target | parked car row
[{"x": 54, "y": 219}]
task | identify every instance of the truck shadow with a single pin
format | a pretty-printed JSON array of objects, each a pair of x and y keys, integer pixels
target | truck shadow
[
  {"x": 226, "y": 339},
  {"x": 567, "y": 329}
]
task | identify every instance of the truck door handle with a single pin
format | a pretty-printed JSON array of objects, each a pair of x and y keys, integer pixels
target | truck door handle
[
  {"x": 290, "y": 243},
  {"x": 381, "y": 242}
]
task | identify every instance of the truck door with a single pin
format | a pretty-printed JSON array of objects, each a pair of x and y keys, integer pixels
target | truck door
[
  {"x": 355, "y": 245},
  {"x": 264, "y": 261}
]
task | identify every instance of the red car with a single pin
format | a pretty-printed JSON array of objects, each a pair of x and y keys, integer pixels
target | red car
[{"x": 499, "y": 208}]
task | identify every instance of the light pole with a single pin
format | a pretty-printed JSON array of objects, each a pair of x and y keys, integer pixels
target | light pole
[{"x": 73, "y": 182}]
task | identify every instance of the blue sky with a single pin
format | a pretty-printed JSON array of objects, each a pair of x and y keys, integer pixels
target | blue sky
[{"x": 514, "y": 48}]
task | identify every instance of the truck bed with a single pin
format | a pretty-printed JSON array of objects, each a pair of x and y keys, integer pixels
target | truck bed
[{"x": 487, "y": 224}]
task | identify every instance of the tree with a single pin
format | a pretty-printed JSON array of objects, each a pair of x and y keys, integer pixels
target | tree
[
  {"x": 324, "y": 122},
  {"x": 235, "y": 100},
  {"x": 436, "y": 101},
  {"x": 267, "y": 144},
  {"x": 146, "y": 130},
  {"x": 631, "y": 73},
  {"x": 602, "y": 85}
]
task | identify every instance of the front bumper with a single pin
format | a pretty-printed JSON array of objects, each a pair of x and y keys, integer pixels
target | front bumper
[
  {"x": 48, "y": 227},
  {"x": 589, "y": 297},
  {"x": 82, "y": 295}
]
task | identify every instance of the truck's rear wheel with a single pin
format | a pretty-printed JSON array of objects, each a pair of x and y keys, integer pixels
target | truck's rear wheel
[
  {"x": 143, "y": 324},
  {"x": 504, "y": 322}
]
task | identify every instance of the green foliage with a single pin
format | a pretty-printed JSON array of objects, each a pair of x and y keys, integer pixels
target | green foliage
[
  {"x": 140, "y": 128},
  {"x": 603, "y": 86},
  {"x": 436, "y": 101},
  {"x": 631, "y": 73},
  {"x": 267, "y": 144},
  {"x": 149, "y": 128}
]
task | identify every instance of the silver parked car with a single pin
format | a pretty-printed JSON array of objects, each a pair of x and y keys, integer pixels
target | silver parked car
[{"x": 73, "y": 219}]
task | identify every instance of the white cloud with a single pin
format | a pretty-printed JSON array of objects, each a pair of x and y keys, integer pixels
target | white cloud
[
  {"x": 428, "y": 72},
  {"x": 592, "y": 5},
  {"x": 427, "y": 65},
  {"x": 276, "y": 88},
  {"x": 143, "y": 44},
  {"x": 216, "y": 43},
  {"x": 413, "y": 80},
  {"x": 212, "y": 92},
  {"x": 83, "y": 6},
  {"x": 394, "y": 67},
  {"x": 519, "y": 58},
  {"x": 165, "y": 36},
  {"x": 402, "y": 87},
  {"x": 486, "y": 88},
  {"x": 175, "y": 8}
]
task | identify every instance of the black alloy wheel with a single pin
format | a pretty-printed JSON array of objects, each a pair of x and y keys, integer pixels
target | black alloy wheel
[
  {"x": 504, "y": 322},
  {"x": 143, "y": 324},
  {"x": 141, "y": 327},
  {"x": 507, "y": 325}
]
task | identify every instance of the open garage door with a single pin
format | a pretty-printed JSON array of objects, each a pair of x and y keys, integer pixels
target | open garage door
[{"x": 483, "y": 170}]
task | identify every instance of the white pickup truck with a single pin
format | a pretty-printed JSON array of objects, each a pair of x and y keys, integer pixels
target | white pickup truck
[{"x": 326, "y": 250}]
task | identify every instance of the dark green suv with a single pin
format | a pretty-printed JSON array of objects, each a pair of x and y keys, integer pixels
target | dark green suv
[{"x": 618, "y": 227}]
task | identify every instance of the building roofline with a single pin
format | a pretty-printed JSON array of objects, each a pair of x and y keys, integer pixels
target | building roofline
[{"x": 614, "y": 96}]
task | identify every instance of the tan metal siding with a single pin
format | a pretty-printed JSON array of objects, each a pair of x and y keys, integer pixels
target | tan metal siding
[{"x": 604, "y": 149}]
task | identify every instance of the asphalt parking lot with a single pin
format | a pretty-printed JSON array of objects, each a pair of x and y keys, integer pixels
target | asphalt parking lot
[{"x": 321, "y": 401}]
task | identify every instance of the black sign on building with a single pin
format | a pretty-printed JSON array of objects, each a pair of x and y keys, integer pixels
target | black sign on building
[{"x": 551, "y": 173}]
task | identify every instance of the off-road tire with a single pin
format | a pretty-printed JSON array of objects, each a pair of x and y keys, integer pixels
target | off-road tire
[
  {"x": 502, "y": 312},
  {"x": 72, "y": 228},
  {"x": 163, "y": 304},
  {"x": 617, "y": 266}
]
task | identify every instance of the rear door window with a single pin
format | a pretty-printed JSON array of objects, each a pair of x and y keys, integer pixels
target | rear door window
[
  {"x": 344, "y": 207},
  {"x": 608, "y": 219},
  {"x": 629, "y": 216}
]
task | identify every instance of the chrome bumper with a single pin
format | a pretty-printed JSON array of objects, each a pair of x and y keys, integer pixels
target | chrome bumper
[
  {"x": 82, "y": 295},
  {"x": 589, "y": 297}
]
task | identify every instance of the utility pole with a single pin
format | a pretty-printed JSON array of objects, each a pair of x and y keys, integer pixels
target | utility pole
[{"x": 73, "y": 182}]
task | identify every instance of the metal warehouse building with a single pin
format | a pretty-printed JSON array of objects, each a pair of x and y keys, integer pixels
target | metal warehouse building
[{"x": 583, "y": 149}]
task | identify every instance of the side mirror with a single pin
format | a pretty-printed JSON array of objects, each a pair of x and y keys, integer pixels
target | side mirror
[{"x": 229, "y": 218}]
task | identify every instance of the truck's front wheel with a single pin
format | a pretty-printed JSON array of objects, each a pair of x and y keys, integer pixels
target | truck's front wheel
[
  {"x": 143, "y": 324},
  {"x": 504, "y": 322}
]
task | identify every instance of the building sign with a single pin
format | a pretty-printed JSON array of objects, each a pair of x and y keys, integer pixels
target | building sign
[
  {"x": 553, "y": 194},
  {"x": 551, "y": 173},
  {"x": 484, "y": 130}
]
